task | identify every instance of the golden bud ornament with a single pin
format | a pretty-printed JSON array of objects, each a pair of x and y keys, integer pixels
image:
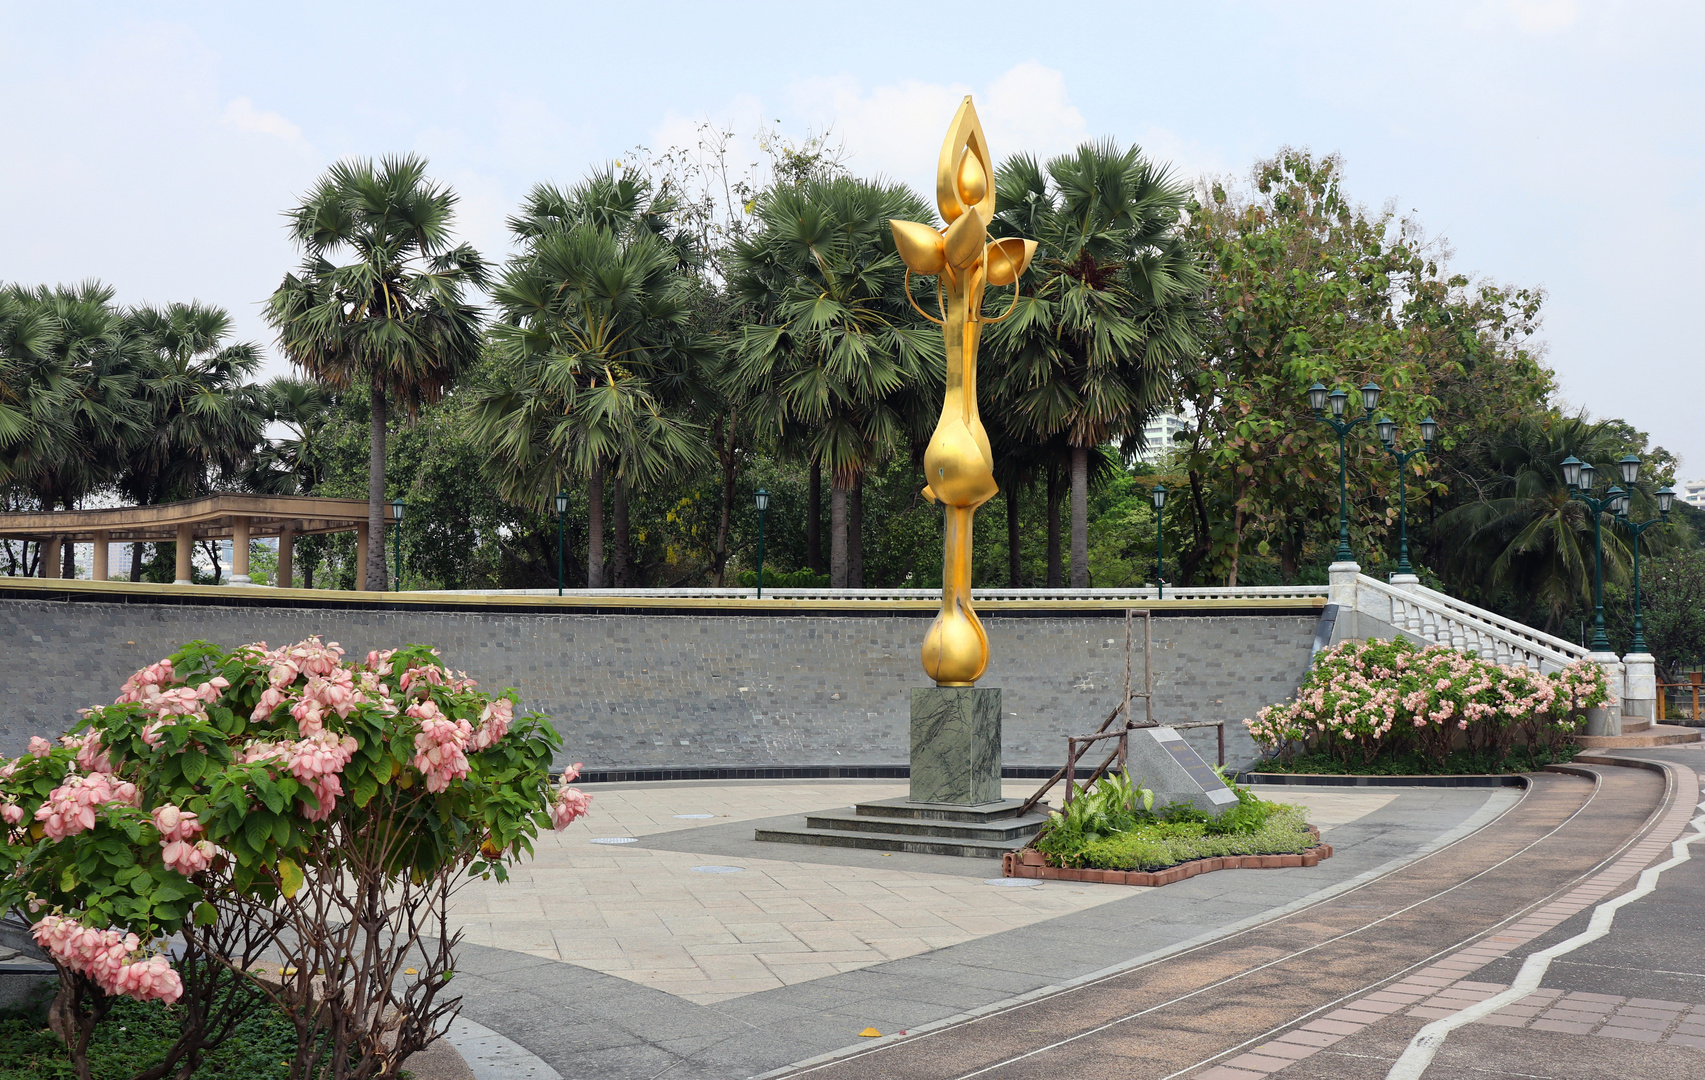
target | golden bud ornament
[{"x": 958, "y": 463}]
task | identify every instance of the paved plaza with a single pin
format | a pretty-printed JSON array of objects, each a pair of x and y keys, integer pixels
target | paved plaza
[
  {"x": 670, "y": 916},
  {"x": 695, "y": 952}
]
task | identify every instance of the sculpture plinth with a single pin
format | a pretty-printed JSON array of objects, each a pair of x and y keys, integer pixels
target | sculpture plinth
[{"x": 956, "y": 745}]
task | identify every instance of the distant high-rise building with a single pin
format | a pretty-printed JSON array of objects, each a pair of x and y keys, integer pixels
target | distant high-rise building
[
  {"x": 1691, "y": 492},
  {"x": 1157, "y": 437}
]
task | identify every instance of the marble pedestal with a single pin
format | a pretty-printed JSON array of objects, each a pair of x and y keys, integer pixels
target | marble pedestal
[
  {"x": 956, "y": 745},
  {"x": 1607, "y": 719}
]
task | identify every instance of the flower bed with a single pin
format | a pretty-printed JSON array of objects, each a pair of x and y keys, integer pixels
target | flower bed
[
  {"x": 1113, "y": 833},
  {"x": 1393, "y": 707}
]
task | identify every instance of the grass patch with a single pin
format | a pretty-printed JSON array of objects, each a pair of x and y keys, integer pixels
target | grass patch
[
  {"x": 1149, "y": 839},
  {"x": 1412, "y": 763},
  {"x": 138, "y": 1034}
]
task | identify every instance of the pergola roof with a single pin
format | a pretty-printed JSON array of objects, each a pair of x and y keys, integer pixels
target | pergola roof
[{"x": 210, "y": 518}]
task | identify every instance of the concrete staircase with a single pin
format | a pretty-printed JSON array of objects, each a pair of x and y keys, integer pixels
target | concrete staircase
[
  {"x": 1637, "y": 731},
  {"x": 987, "y": 831}
]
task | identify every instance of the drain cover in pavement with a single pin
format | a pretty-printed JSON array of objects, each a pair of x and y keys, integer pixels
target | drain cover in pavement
[
  {"x": 694, "y": 817},
  {"x": 614, "y": 840},
  {"x": 1012, "y": 882},
  {"x": 718, "y": 869}
]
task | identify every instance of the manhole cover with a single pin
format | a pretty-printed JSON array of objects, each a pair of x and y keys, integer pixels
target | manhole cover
[
  {"x": 1012, "y": 882},
  {"x": 614, "y": 840},
  {"x": 718, "y": 869}
]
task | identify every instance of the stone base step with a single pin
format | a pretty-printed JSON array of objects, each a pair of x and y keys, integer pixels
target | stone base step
[
  {"x": 1000, "y": 830},
  {"x": 1633, "y": 725},
  {"x": 1655, "y": 735},
  {"x": 921, "y": 845},
  {"x": 986, "y": 831}
]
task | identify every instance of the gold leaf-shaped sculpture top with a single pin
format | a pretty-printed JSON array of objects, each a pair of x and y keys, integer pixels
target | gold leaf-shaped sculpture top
[
  {"x": 921, "y": 247},
  {"x": 964, "y": 139},
  {"x": 1008, "y": 259}
]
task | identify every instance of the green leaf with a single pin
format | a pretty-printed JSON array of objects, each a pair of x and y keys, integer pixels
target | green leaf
[
  {"x": 193, "y": 763},
  {"x": 206, "y": 914},
  {"x": 257, "y": 828},
  {"x": 290, "y": 877}
]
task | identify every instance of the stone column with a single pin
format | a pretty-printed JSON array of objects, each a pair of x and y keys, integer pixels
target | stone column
[
  {"x": 286, "y": 548},
  {"x": 1407, "y": 582},
  {"x": 185, "y": 552},
  {"x": 1640, "y": 687},
  {"x": 1341, "y": 590},
  {"x": 102, "y": 547},
  {"x": 1607, "y": 719},
  {"x": 52, "y": 557},
  {"x": 239, "y": 550},
  {"x": 361, "y": 555}
]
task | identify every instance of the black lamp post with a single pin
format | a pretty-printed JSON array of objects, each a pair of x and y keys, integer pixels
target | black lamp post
[
  {"x": 397, "y": 542},
  {"x": 1318, "y": 400},
  {"x": 1578, "y": 475},
  {"x": 762, "y": 499},
  {"x": 561, "y": 508},
  {"x": 1159, "y": 496},
  {"x": 1629, "y": 466},
  {"x": 1387, "y": 428}
]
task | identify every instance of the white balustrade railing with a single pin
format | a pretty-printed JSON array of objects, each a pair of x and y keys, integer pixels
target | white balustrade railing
[{"x": 1441, "y": 620}]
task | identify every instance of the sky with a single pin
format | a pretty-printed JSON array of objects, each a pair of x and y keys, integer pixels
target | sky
[{"x": 1551, "y": 143}]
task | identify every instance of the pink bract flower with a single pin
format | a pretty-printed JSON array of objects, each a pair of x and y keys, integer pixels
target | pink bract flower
[
  {"x": 70, "y": 807},
  {"x": 40, "y": 747},
  {"x": 440, "y": 747},
  {"x": 494, "y": 723}
]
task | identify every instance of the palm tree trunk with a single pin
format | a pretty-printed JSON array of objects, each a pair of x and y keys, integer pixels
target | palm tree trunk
[
  {"x": 837, "y": 535},
  {"x": 729, "y": 463},
  {"x": 376, "y": 492},
  {"x": 1080, "y": 517},
  {"x": 595, "y": 527},
  {"x": 1014, "y": 564},
  {"x": 1056, "y": 575},
  {"x": 814, "y": 519},
  {"x": 855, "y": 534},
  {"x": 136, "y": 561},
  {"x": 623, "y": 555},
  {"x": 68, "y": 566}
]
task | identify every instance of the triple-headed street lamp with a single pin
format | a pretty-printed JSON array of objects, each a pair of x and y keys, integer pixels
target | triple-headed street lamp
[
  {"x": 1578, "y": 475},
  {"x": 561, "y": 501},
  {"x": 1387, "y": 428},
  {"x": 1629, "y": 466},
  {"x": 398, "y": 506},
  {"x": 1159, "y": 496},
  {"x": 762, "y": 499},
  {"x": 1319, "y": 400}
]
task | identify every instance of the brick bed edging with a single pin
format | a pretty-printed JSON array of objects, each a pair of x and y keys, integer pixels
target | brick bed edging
[{"x": 1031, "y": 864}]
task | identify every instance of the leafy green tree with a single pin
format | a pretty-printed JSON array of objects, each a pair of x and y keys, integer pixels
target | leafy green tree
[
  {"x": 591, "y": 356},
  {"x": 1106, "y": 312},
  {"x": 832, "y": 356},
  {"x": 1305, "y": 286},
  {"x": 294, "y": 463},
  {"x": 379, "y": 300}
]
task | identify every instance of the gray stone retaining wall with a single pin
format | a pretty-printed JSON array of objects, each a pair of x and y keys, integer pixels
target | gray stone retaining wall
[{"x": 684, "y": 691}]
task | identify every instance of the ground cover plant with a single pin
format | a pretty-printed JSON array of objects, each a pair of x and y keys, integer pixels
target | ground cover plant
[
  {"x": 277, "y": 810},
  {"x": 1397, "y": 707},
  {"x": 1115, "y": 826},
  {"x": 138, "y": 1035}
]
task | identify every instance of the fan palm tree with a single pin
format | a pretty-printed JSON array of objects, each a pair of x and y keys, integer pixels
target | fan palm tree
[
  {"x": 1526, "y": 538},
  {"x": 295, "y": 463},
  {"x": 379, "y": 299},
  {"x": 1108, "y": 307},
  {"x": 833, "y": 355},
  {"x": 591, "y": 356}
]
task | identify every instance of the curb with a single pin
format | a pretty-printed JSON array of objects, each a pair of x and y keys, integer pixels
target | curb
[
  {"x": 1030, "y": 864},
  {"x": 1496, "y": 780}
]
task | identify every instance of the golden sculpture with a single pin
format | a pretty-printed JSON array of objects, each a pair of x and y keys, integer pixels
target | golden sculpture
[{"x": 958, "y": 462}]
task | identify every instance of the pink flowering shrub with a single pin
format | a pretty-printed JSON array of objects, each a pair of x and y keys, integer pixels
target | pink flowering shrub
[
  {"x": 1365, "y": 698},
  {"x": 275, "y": 799}
]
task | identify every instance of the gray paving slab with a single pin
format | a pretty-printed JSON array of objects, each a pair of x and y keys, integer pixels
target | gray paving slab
[{"x": 587, "y": 1024}]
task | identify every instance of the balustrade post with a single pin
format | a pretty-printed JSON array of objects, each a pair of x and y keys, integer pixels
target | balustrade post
[{"x": 1607, "y": 719}]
